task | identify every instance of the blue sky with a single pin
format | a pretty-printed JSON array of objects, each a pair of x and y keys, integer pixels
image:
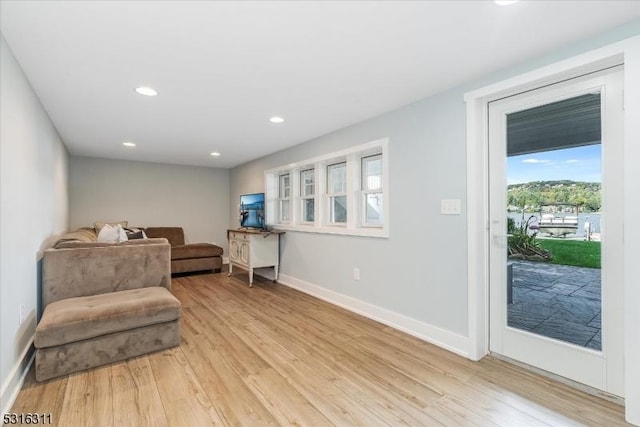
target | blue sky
[{"x": 576, "y": 164}]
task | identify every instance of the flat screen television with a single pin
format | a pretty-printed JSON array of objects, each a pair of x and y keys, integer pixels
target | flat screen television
[{"x": 252, "y": 210}]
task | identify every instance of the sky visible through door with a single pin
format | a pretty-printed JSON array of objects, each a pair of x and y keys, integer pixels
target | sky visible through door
[{"x": 577, "y": 164}]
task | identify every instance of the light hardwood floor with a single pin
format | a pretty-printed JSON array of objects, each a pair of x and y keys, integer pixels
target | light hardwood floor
[{"x": 270, "y": 355}]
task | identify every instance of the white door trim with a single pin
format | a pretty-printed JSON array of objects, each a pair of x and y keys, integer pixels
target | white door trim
[
  {"x": 599, "y": 369},
  {"x": 627, "y": 52}
]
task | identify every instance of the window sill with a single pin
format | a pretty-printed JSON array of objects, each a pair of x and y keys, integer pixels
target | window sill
[{"x": 335, "y": 229}]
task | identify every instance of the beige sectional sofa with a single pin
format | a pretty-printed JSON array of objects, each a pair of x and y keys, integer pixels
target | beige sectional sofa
[
  {"x": 103, "y": 303},
  {"x": 185, "y": 257}
]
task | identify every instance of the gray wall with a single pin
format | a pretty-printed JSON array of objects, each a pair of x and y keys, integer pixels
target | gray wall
[
  {"x": 150, "y": 194},
  {"x": 420, "y": 271},
  {"x": 33, "y": 208}
]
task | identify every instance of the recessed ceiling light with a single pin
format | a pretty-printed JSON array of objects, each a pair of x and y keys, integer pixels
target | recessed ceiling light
[
  {"x": 505, "y": 2},
  {"x": 146, "y": 91},
  {"x": 276, "y": 119},
  {"x": 215, "y": 154},
  {"x": 129, "y": 144}
]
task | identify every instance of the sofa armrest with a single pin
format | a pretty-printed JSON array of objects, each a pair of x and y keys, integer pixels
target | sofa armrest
[
  {"x": 76, "y": 244},
  {"x": 84, "y": 271}
]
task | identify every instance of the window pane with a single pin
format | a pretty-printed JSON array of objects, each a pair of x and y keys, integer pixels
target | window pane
[
  {"x": 372, "y": 172},
  {"x": 308, "y": 209},
  {"x": 338, "y": 207},
  {"x": 285, "y": 187},
  {"x": 337, "y": 176},
  {"x": 307, "y": 182},
  {"x": 284, "y": 211},
  {"x": 373, "y": 208}
]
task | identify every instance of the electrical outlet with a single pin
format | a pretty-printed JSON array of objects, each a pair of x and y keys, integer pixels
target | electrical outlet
[
  {"x": 21, "y": 314},
  {"x": 356, "y": 273}
]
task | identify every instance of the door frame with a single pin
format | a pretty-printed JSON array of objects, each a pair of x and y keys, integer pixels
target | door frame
[
  {"x": 626, "y": 52},
  {"x": 601, "y": 369}
]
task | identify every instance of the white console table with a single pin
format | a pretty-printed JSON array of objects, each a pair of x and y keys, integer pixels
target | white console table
[{"x": 251, "y": 249}]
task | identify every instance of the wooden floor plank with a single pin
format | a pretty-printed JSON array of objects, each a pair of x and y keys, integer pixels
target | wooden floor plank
[
  {"x": 48, "y": 397},
  {"x": 270, "y": 355},
  {"x": 318, "y": 385},
  {"x": 233, "y": 399},
  {"x": 557, "y": 397},
  {"x": 184, "y": 400},
  {"x": 136, "y": 395},
  {"x": 283, "y": 401},
  {"x": 88, "y": 399},
  {"x": 491, "y": 394}
]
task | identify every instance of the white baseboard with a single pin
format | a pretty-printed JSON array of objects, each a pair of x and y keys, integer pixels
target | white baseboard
[
  {"x": 13, "y": 384},
  {"x": 442, "y": 338}
]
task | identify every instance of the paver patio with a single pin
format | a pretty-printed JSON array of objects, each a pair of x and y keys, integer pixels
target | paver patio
[{"x": 557, "y": 301}]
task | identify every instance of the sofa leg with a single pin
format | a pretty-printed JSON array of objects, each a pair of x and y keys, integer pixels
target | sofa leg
[{"x": 217, "y": 270}]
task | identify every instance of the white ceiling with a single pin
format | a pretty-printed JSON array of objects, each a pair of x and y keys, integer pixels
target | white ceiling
[{"x": 224, "y": 68}]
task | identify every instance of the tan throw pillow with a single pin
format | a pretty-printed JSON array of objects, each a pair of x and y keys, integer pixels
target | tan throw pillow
[{"x": 98, "y": 225}]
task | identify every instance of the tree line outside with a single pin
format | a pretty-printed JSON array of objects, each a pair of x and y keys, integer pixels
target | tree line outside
[{"x": 532, "y": 196}]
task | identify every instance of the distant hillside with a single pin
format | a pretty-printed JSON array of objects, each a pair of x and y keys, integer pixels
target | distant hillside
[{"x": 532, "y": 195}]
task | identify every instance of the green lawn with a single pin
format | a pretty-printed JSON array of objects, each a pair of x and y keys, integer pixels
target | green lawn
[{"x": 579, "y": 253}]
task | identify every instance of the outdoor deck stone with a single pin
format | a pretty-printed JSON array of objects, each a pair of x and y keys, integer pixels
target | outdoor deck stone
[
  {"x": 525, "y": 320},
  {"x": 563, "y": 288},
  {"x": 557, "y": 301},
  {"x": 596, "y": 322},
  {"x": 566, "y": 331},
  {"x": 596, "y": 341},
  {"x": 589, "y": 292}
]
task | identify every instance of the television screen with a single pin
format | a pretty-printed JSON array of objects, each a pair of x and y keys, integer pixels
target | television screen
[{"x": 252, "y": 210}]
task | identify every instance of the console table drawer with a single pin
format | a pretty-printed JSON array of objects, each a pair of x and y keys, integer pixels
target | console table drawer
[{"x": 239, "y": 236}]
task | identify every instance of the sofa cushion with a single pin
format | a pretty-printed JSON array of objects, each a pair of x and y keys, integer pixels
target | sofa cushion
[
  {"x": 84, "y": 234},
  {"x": 81, "y": 318},
  {"x": 175, "y": 235},
  {"x": 195, "y": 250}
]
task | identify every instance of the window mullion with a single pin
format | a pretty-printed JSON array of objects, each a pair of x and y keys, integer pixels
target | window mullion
[
  {"x": 295, "y": 203},
  {"x": 321, "y": 195},
  {"x": 353, "y": 189}
]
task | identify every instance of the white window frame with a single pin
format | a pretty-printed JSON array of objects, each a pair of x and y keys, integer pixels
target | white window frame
[
  {"x": 304, "y": 196},
  {"x": 330, "y": 194},
  {"x": 282, "y": 198},
  {"x": 366, "y": 191},
  {"x": 355, "y": 194}
]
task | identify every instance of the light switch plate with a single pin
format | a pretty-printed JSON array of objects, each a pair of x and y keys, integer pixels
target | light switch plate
[{"x": 450, "y": 207}]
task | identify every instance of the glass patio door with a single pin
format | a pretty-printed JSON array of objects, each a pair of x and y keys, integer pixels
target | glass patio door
[{"x": 555, "y": 180}]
